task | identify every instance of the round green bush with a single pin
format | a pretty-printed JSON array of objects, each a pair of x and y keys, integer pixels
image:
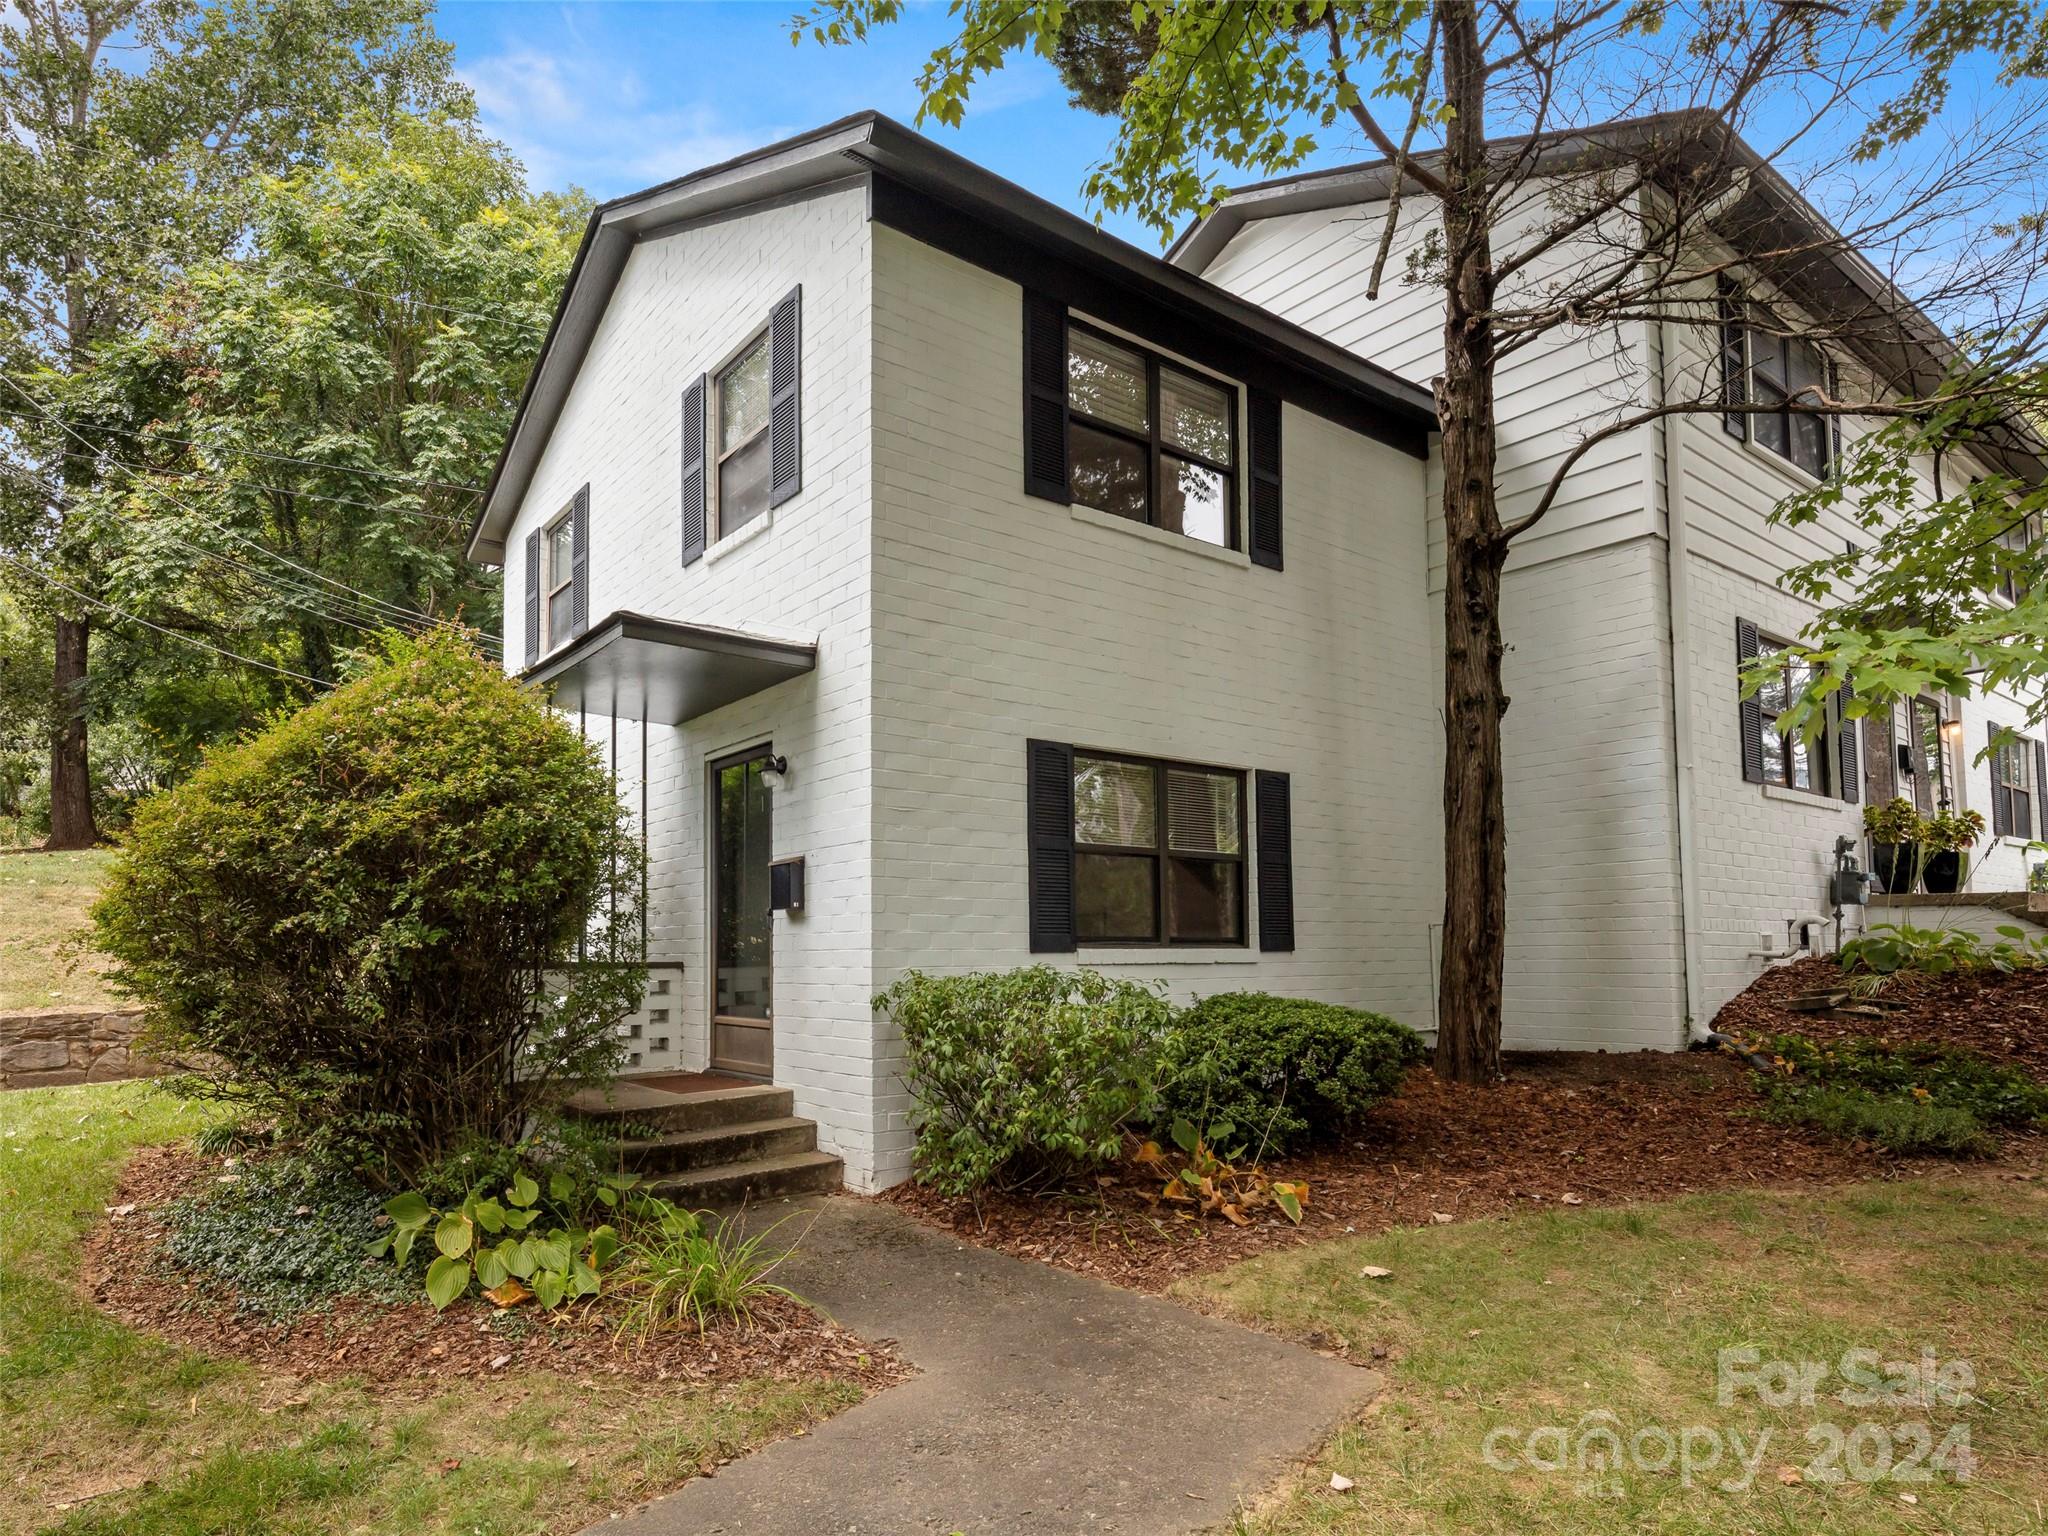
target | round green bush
[
  {"x": 364, "y": 920},
  {"x": 1281, "y": 1070},
  {"x": 1024, "y": 1077}
]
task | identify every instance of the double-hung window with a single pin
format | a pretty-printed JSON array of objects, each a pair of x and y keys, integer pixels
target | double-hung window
[
  {"x": 1780, "y": 374},
  {"x": 2013, "y": 790},
  {"x": 558, "y": 575},
  {"x": 2020, "y": 538},
  {"x": 1158, "y": 852},
  {"x": 743, "y": 449},
  {"x": 1790, "y": 760},
  {"x": 1149, "y": 440}
]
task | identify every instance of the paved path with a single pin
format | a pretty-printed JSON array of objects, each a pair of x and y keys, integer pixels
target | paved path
[{"x": 1046, "y": 1403}]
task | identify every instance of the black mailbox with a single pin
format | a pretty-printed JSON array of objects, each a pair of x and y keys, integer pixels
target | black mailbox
[{"x": 786, "y": 884}]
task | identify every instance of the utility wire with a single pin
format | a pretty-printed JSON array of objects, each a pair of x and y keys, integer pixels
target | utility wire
[{"x": 175, "y": 634}]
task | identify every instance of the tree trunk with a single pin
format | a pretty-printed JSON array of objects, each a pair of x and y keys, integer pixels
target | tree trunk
[
  {"x": 1475, "y": 824},
  {"x": 71, "y": 823}
]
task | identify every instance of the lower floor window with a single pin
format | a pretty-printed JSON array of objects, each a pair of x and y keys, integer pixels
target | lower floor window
[
  {"x": 1158, "y": 852},
  {"x": 2013, "y": 790},
  {"x": 1791, "y": 759}
]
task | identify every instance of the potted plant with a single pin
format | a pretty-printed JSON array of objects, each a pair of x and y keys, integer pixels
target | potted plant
[
  {"x": 1894, "y": 832},
  {"x": 1945, "y": 837}
]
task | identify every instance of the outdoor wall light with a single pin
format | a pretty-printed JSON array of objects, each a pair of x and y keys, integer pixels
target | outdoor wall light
[
  {"x": 1953, "y": 730},
  {"x": 774, "y": 771}
]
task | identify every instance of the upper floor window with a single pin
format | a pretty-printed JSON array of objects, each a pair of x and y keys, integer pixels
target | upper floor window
[
  {"x": 1158, "y": 852},
  {"x": 2022, "y": 536},
  {"x": 558, "y": 577},
  {"x": 1149, "y": 440},
  {"x": 744, "y": 471},
  {"x": 1777, "y": 373}
]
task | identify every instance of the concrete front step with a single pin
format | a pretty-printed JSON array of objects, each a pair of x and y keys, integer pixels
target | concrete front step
[
  {"x": 664, "y": 1111},
  {"x": 683, "y": 1151},
  {"x": 761, "y": 1178}
]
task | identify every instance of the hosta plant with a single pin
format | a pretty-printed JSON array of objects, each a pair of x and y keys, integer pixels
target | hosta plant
[
  {"x": 499, "y": 1245},
  {"x": 1213, "y": 1183}
]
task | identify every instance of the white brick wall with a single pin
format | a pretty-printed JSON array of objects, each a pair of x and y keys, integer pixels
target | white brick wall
[
  {"x": 999, "y": 618},
  {"x": 685, "y": 301}
]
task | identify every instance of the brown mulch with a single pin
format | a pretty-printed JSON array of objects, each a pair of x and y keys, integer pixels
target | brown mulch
[
  {"x": 1562, "y": 1129},
  {"x": 412, "y": 1347},
  {"x": 2001, "y": 1017}
]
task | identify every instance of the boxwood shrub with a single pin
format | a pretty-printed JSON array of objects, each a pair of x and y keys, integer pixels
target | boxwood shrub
[
  {"x": 1282, "y": 1070},
  {"x": 363, "y": 921},
  {"x": 1025, "y": 1077}
]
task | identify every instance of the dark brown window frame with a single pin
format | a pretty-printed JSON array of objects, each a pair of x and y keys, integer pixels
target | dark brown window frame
[
  {"x": 1778, "y": 747},
  {"x": 2020, "y": 751},
  {"x": 1158, "y": 450},
  {"x": 1161, "y": 854},
  {"x": 554, "y": 583},
  {"x": 1742, "y": 386}
]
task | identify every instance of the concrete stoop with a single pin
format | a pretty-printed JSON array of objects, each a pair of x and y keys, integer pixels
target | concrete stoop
[{"x": 717, "y": 1147}]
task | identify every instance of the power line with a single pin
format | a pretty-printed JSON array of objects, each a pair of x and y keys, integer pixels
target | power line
[
  {"x": 258, "y": 453},
  {"x": 86, "y": 597},
  {"x": 373, "y": 601}
]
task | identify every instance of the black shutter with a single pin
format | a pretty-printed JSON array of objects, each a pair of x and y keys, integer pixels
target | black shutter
[
  {"x": 1734, "y": 362},
  {"x": 2040, "y": 826},
  {"x": 1045, "y": 399},
  {"x": 1049, "y": 801},
  {"x": 1264, "y": 455},
  {"x": 1878, "y": 756},
  {"x": 1834, "y": 422},
  {"x": 2001, "y": 796},
  {"x": 1273, "y": 795},
  {"x": 533, "y": 597},
  {"x": 693, "y": 470},
  {"x": 1751, "y": 711},
  {"x": 579, "y": 563},
  {"x": 1850, "y": 789},
  {"x": 785, "y": 417}
]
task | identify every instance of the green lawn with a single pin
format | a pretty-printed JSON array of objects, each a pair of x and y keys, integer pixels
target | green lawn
[
  {"x": 43, "y": 900},
  {"x": 143, "y": 1439},
  {"x": 1543, "y": 1320}
]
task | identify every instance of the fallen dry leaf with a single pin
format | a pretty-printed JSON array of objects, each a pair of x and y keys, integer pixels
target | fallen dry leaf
[
  {"x": 1373, "y": 1272},
  {"x": 1339, "y": 1483}
]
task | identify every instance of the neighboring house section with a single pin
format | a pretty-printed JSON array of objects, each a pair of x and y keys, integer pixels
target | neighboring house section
[
  {"x": 1045, "y": 603},
  {"x": 1663, "y": 840}
]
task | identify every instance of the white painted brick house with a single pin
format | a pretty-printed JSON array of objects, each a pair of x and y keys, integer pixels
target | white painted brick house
[{"x": 1048, "y": 600}]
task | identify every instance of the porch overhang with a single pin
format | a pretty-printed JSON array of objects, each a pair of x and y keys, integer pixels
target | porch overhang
[{"x": 663, "y": 671}]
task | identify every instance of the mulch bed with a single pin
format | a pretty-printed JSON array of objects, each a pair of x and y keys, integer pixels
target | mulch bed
[
  {"x": 2001, "y": 1017},
  {"x": 413, "y": 1347},
  {"x": 1562, "y": 1129}
]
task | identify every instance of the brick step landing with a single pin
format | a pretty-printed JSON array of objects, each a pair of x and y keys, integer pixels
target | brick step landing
[{"x": 716, "y": 1147}]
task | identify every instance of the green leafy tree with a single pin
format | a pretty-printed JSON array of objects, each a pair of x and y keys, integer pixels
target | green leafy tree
[
  {"x": 1534, "y": 223},
  {"x": 131, "y": 132}
]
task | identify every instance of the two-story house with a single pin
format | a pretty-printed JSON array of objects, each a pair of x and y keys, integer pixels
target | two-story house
[{"x": 952, "y": 585}]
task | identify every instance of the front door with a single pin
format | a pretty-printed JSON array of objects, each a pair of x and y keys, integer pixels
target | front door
[{"x": 742, "y": 938}]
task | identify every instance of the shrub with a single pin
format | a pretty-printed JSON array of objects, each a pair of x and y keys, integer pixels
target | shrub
[
  {"x": 1889, "y": 948},
  {"x": 362, "y": 920},
  {"x": 1281, "y": 1069},
  {"x": 1027, "y": 1076},
  {"x": 289, "y": 1235},
  {"x": 679, "y": 1270}
]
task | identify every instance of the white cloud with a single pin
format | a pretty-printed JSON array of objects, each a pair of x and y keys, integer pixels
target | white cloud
[{"x": 573, "y": 115}]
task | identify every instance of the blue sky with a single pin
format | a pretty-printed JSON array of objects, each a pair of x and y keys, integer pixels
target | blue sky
[{"x": 618, "y": 96}]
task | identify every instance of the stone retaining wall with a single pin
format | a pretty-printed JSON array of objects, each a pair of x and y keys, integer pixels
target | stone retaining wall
[{"x": 50, "y": 1049}]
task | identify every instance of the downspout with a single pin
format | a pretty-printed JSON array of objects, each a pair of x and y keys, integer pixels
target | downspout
[{"x": 1678, "y": 586}]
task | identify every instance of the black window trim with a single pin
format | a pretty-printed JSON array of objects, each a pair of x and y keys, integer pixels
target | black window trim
[
  {"x": 1154, "y": 441},
  {"x": 2022, "y": 754},
  {"x": 1737, "y": 332},
  {"x": 1820, "y": 753},
  {"x": 1162, "y": 853}
]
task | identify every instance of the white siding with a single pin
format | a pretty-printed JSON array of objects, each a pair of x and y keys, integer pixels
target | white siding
[
  {"x": 684, "y": 302},
  {"x": 999, "y": 618}
]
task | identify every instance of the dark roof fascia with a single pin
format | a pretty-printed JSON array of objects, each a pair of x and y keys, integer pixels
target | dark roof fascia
[{"x": 872, "y": 144}]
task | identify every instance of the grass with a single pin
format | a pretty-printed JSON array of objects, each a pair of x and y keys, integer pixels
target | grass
[
  {"x": 43, "y": 901},
  {"x": 1547, "y": 1319},
  {"x": 143, "y": 1439}
]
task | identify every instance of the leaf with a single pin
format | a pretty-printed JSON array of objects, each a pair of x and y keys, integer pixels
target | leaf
[
  {"x": 548, "y": 1286},
  {"x": 583, "y": 1279},
  {"x": 1184, "y": 1136},
  {"x": 561, "y": 1188},
  {"x": 519, "y": 1221},
  {"x": 604, "y": 1246},
  {"x": 1288, "y": 1201},
  {"x": 409, "y": 1209},
  {"x": 524, "y": 1191},
  {"x": 510, "y": 1294},
  {"x": 447, "y": 1278},
  {"x": 1374, "y": 1272},
  {"x": 516, "y": 1257},
  {"x": 1339, "y": 1483},
  {"x": 489, "y": 1215},
  {"x": 1234, "y": 1215},
  {"x": 401, "y": 1245},
  {"x": 609, "y": 1197},
  {"x": 381, "y": 1246},
  {"x": 454, "y": 1235},
  {"x": 551, "y": 1253},
  {"x": 491, "y": 1271}
]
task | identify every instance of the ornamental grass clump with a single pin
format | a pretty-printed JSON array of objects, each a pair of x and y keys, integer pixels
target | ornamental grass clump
[{"x": 366, "y": 921}]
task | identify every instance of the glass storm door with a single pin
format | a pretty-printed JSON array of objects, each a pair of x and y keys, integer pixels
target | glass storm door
[{"x": 742, "y": 1031}]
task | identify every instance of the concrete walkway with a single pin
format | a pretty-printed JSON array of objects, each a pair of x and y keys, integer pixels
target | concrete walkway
[{"x": 1046, "y": 1403}]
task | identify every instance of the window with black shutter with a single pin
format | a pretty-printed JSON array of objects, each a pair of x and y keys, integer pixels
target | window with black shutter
[
  {"x": 1275, "y": 795},
  {"x": 2016, "y": 771},
  {"x": 560, "y": 599},
  {"x": 694, "y": 494},
  {"x": 1773, "y": 375},
  {"x": 1788, "y": 759},
  {"x": 532, "y": 564}
]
